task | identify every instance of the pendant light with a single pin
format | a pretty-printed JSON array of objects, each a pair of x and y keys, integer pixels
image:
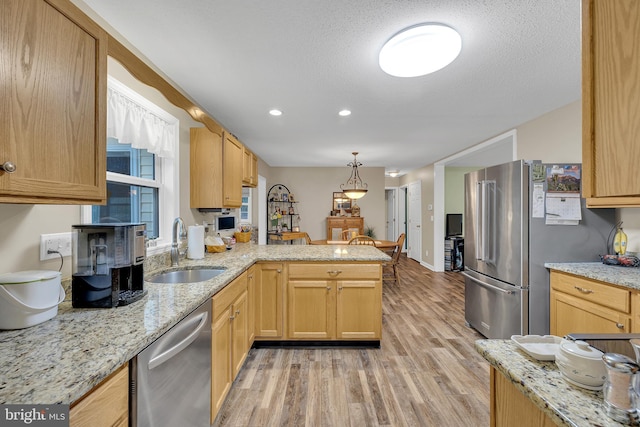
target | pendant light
[{"x": 354, "y": 188}]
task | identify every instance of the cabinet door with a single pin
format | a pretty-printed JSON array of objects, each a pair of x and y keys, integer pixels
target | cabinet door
[
  {"x": 239, "y": 326},
  {"x": 232, "y": 172},
  {"x": 359, "y": 309},
  {"x": 611, "y": 112},
  {"x": 574, "y": 315},
  {"x": 107, "y": 405},
  {"x": 53, "y": 114},
  {"x": 251, "y": 305},
  {"x": 205, "y": 169},
  {"x": 311, "y": 309},
  {"x": 221, "y": 377},
  {"x": 249, "y": 168},
  {"x": 269, "y": 294}
]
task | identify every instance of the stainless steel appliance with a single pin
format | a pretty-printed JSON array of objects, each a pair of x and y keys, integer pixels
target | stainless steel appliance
[
  {"x": 108, "y": 264},
  {"x": 171, "y": 379},
  {"x": 507, "y": 244}
]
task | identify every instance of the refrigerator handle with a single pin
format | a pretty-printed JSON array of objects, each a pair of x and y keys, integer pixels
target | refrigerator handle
[{"x": 480, "y": 220}]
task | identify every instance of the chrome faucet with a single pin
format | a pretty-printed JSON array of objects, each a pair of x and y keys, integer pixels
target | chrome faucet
[{"x": 179, "y": 233}]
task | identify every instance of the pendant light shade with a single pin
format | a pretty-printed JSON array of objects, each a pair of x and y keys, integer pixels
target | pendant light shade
[{"x": 354, "y": 188}]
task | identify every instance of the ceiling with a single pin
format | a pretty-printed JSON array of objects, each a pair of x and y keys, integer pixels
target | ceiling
[{"x": 238, "y": 59}]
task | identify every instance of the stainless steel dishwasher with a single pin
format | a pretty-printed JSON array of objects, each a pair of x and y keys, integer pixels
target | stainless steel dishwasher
[{"x": 171, "y": 379}]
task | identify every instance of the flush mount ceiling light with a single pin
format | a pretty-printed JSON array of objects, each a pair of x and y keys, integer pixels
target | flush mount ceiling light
[
  {"x": 420, "y": 50},
  {"x": 393, "y": 174},
  {"x": 275, "y": 112},
  {"x": 344, "y": 113},
  {"x": 354, "y": 188}
]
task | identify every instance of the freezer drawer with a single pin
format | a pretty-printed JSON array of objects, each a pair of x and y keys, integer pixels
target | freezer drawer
[{"x": 494, "y": 309}]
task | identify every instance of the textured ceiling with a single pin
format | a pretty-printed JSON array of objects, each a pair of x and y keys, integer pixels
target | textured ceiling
[{"x": 311, "y": 58}]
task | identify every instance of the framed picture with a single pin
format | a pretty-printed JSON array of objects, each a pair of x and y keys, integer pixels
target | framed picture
[
  {"x": 340, "y": 201},
  {"x": 285, "y": 197}
]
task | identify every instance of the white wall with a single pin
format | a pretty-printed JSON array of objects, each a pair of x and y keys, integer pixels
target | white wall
[{"x": 314, "y": 188}]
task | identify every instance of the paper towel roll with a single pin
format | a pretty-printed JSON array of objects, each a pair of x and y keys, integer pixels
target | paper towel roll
[{"x": 195, "y": 242}]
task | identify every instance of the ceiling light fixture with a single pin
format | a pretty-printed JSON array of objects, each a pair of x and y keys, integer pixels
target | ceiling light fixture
[
  {"x": 354, "y": 188},
  {"x": 393, "y": 174},
  {"x": 344, "y": 113},
  {"x": 275, "y": 112},
  {"x": 420, "y": 50}
]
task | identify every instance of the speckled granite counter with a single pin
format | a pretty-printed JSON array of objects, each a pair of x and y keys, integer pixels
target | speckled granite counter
[
  {"x": 622, "y": 276},
  {"x": 60, "y": 360},
  {"x": 542, "y": 383}
]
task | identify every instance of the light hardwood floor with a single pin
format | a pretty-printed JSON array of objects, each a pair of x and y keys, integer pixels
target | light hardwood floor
[{"x": 426, "y": 373}]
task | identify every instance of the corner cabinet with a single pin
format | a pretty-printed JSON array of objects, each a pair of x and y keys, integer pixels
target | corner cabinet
[
  {"x": 54, "y": 73},
  {"x": 216, "y": 169},
  {"x": 334, "y": 301},
  {"x": 610, "y": 108},
  {"x": 580, "y": 305}
]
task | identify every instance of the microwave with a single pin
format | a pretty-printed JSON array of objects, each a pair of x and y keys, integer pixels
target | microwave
[{"x": 225, "y": 222}]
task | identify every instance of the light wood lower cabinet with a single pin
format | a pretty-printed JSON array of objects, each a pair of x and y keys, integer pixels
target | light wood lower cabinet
[
  {"x": 107, "y": 405},
  {"x": 269, "y": 300},
  {"x": 580, "y": 305},
  {"x": 334, "y": 301},
  {"x": 510, "y": 407},
  {"x": 230, "y": 339}
]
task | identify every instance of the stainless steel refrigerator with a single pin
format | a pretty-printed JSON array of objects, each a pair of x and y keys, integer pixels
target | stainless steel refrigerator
[{"x": 507, "y": 242}]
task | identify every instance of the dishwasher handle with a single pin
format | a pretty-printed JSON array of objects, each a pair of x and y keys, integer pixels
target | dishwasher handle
[{"x": 166, "y": 355}]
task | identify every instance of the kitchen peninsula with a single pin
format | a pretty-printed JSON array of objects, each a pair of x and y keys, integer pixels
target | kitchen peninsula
[{"x": 62, "y": 359}]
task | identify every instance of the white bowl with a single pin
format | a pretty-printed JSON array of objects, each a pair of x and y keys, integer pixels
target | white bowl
[{"x": 581, "y": 364}]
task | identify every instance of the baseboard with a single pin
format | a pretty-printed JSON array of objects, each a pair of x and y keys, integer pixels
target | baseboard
[{"x": 311, "y": 343}]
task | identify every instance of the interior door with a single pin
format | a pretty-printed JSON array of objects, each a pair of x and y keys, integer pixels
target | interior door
[
  {"x": 414, "y": 208},
  {"x": 391, "y": 226}
]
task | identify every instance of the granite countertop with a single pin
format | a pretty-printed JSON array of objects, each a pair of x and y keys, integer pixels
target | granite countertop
[
  {"x": 60, "y": 360},
  {"x": 543, "y": 384},
  {"x": 628, "y": 277}
]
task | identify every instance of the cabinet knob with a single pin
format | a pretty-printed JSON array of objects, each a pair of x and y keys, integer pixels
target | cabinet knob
[
  {"x": 619, "y": 326},
  {"x": 339, "y": 288},
  {"x": 278, "y": 271},
  {"x": 328, "y": 288},
  {"x": 8, "y": 167},
  {"x": 237, "y": 312},
  {"x": 333, "y": 272}
]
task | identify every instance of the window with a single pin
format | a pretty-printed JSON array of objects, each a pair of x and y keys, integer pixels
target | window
[
  {"x": 142, "y": 183},
  {"x": 245, "y": 209}
]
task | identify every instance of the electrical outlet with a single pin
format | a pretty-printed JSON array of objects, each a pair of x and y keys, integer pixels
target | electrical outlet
[{"x": 60, "y": 242}]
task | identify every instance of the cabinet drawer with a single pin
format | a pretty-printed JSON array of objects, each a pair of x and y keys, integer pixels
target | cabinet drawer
[
  {"x": 226, "y": 296},
  {"x": 589, "y": 290},
  {"x": 334, "y": 271}
]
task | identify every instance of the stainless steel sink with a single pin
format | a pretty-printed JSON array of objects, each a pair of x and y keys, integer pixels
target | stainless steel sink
[{"x": 190, "y": 275}]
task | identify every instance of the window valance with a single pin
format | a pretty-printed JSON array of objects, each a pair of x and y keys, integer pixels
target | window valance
[{"x": 131, "y": 119}]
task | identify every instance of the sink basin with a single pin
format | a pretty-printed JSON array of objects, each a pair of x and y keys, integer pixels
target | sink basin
[{"x": 192, "y": 275}]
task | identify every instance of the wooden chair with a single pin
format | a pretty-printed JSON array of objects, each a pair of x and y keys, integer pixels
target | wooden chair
[
  {"x": 362, "y": 240},
  {"x": 393, "y": 264},
  {"x": 348, "y": 234}
]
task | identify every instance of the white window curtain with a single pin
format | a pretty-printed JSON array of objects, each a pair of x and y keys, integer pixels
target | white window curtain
[{"x": 130, "y": 122}]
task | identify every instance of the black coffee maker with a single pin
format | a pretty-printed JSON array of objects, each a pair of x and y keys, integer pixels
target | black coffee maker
[{"x": 108, "y": 264}]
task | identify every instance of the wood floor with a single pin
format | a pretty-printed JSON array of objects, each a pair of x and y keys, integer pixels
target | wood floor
[{"x": 426, "y": 373}]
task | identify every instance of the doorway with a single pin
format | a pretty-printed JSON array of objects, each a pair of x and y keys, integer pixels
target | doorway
[
  {"x": 414, "y": 220},
  {"x": 392, "y": 223}
]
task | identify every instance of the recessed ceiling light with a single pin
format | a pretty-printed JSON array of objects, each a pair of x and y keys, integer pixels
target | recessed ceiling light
[
  {"x": 420, "y": 50},
  {"x": 344, "y": 113},
  {"x": 275, "y": 112}
]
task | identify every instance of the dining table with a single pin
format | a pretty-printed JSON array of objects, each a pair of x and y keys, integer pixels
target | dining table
[{"x": 380, "y": 244}]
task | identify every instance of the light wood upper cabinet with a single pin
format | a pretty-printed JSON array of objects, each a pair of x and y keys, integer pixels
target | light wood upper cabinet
[
  {"x": 249, "y": 168},
  {"x": 610, "y": 94},
  {"x": 232, "y": 171},
  {"x": 53, "y": 116},
  {"x": 216, "y": 169}
]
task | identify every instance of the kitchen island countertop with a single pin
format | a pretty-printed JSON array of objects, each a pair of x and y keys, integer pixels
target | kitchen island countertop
[
  {"x": 628, "y": 277},
  {"x": 60, "y": 360},
  {"x": 543, "y": 384}
]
